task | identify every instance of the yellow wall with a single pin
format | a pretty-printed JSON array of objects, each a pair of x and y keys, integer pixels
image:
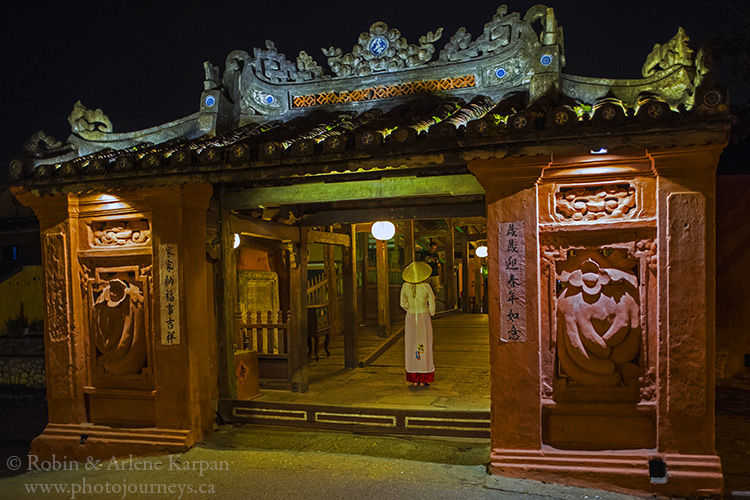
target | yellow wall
[{"x": 24, "y": 287}]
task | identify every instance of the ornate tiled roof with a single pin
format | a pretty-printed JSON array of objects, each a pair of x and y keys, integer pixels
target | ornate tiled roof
[{"x": 268, "y": 117}]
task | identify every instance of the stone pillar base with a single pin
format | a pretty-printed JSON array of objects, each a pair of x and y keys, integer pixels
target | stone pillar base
[
  {"x": 624, "y": 471},
  {"x": 78, "y": 442}
]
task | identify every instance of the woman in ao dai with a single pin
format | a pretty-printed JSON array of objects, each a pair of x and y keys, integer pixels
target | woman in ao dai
[{"x": 418, "y": 300}]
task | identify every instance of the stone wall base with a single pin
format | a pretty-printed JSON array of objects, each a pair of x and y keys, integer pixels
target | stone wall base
[
  {"x": 78, "y": 442},
  {"x": 624, "y": 471}
]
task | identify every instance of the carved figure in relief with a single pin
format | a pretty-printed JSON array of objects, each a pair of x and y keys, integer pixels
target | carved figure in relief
[
  {"x": 599, "y": 321},
  {"x": 120, "y": 328}
]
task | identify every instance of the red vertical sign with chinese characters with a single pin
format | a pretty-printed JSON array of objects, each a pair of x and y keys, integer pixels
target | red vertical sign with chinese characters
[
  {"x": 169, "y": 288},
  {"x": 512, "y": 253}
]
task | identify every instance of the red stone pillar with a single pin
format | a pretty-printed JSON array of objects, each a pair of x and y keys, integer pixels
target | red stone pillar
[
  {"x": 687, "y": 268},
  {"x": 115, "y": 384},
  {"x": 515, "y": 369},
  {"x": 608, "y": 381}
]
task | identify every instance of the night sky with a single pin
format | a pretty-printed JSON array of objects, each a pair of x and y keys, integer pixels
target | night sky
[{"x": 142, "y": 63}]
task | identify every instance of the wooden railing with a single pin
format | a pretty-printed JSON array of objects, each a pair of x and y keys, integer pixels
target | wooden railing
[
  {"x": 317, "y": 287},
  {"x": 394, "y": 276},
  {"x": 265, "y": 332}
]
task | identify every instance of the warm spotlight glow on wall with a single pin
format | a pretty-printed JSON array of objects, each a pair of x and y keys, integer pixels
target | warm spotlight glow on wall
[
  {"x": 383, "y": 230},
  {"x": 107, "y": 198},
  {"x": 481, "y": 251},
  {"x": 236, "y": 240}
]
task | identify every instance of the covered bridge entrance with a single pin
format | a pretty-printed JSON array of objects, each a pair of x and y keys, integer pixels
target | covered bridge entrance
[{"x": 598, "y": 196}]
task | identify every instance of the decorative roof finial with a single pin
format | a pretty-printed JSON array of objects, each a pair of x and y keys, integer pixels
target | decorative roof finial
[
  {"x": 87, "y": 123},
  {"x": 674, "y": 53}
]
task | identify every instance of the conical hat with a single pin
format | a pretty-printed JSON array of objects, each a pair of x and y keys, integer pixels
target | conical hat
[{"x": 416, "y": 272}]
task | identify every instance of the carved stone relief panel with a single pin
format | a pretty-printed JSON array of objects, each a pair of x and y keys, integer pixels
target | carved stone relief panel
[
  {"x": 56, "y": 281},
  {"x": 588, "y": 203},
  {"x": 119, "y": 233},
  {"x": 598, "y": 319},
  {"x": 598, "y": 306},
  {"x": 119, "y": 324}
]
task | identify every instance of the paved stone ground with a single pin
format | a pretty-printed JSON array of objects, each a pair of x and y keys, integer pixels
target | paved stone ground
[
  {"x": 276, "y": 463},
  {"x": 380, "y": 468}
]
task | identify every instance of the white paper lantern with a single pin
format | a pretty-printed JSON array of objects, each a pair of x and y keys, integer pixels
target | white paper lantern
[
  {"x": 236, "y": 240},
  {"x": 383, "y": 230},
  {"x": 481, "y": 251}
]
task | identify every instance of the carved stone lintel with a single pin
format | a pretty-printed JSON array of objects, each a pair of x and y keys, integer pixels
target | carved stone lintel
[
  {"x": 113, "y": 233},
  {"x": 673, "y": 53},
  {"x": 585, "y": 203}
]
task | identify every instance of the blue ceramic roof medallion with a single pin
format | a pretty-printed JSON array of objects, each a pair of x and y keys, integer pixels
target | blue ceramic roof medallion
[
  {"x": 500, "y": 72},
  {"x": 546, "y": 60},
  {"x": 209, "y": 100},
  {"x": 378, "y": 45}
]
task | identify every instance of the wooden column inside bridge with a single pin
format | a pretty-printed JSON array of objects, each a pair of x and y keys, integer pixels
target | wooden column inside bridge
[
  {"x": 384, "y": 310},
  {"x": 298, "y": 303},
  {"x": 449, "y": 271},
  {"x": 349, "y": 270},
  {"x": 465, "y": 301}
]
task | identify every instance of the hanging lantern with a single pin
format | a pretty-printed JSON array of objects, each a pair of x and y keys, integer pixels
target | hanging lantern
[
  {"x": 383, "y": 230},
  {"x": 236, "y": 240},
  {"x": 481, "y": 251}
]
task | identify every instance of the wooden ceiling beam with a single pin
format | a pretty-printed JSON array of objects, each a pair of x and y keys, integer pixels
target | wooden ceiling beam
[
  {"x": 263, "y": 229},
  {"x": 366, "y": 215},
  {"x": 325, "y": 192},
  {"x": 329, "y": 238}
]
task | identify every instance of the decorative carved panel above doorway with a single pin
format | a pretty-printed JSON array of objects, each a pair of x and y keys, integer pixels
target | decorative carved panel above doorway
[{"x": 119, "y": 233}]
